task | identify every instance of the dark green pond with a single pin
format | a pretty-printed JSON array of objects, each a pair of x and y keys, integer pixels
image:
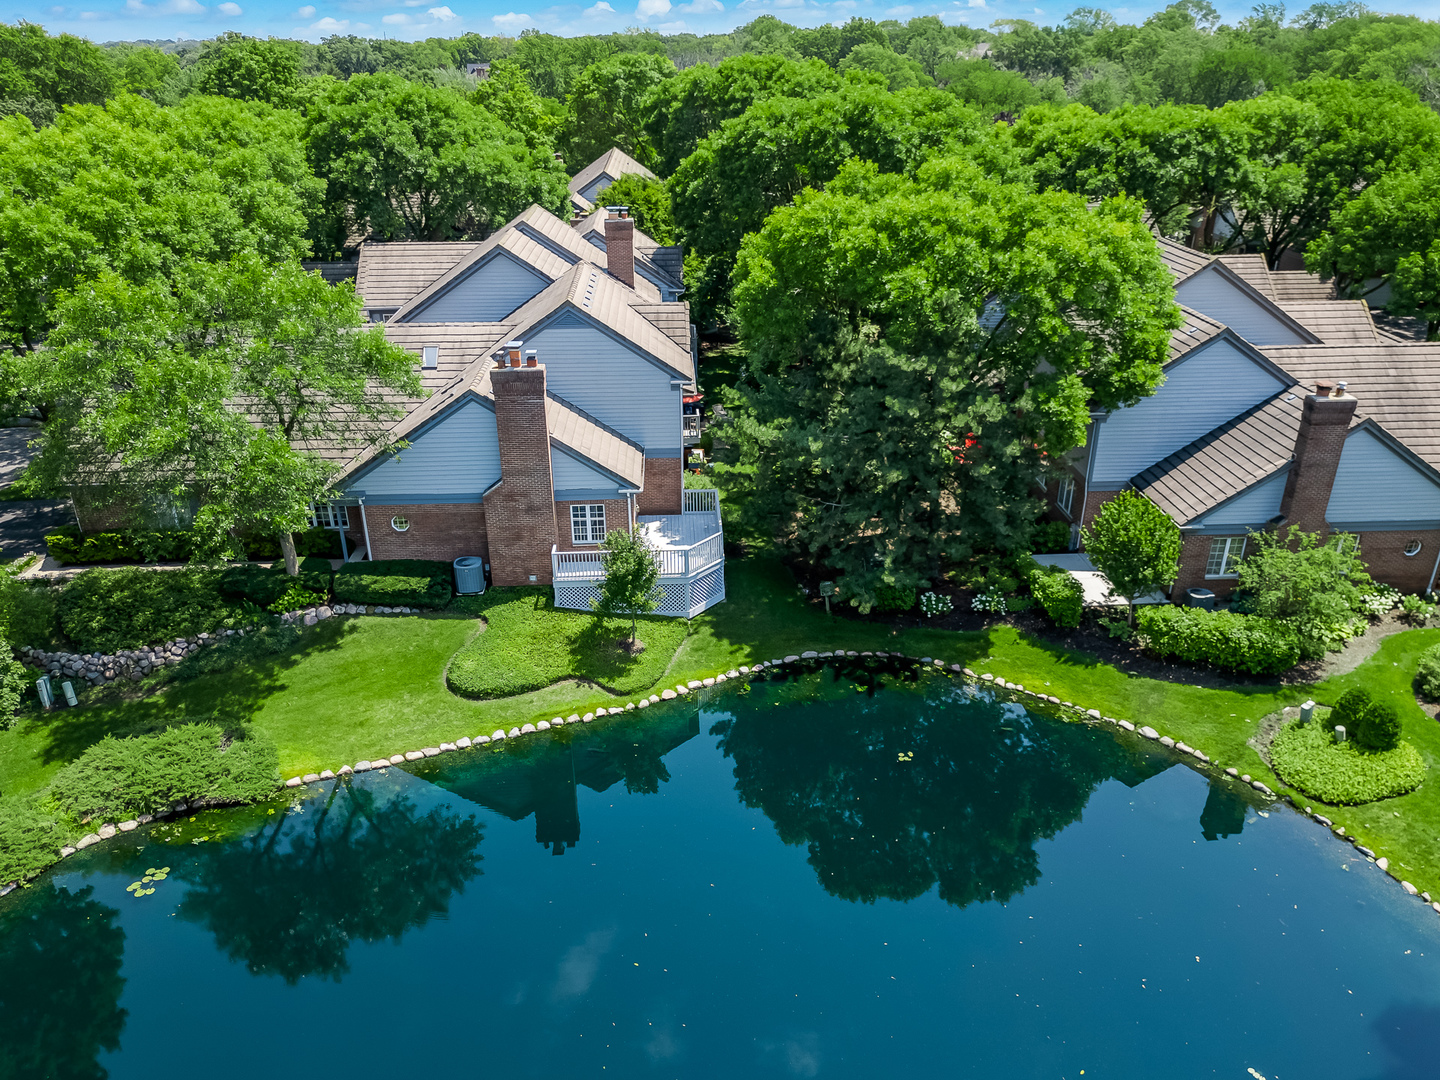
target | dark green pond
[{"x": 805, "y": 878}]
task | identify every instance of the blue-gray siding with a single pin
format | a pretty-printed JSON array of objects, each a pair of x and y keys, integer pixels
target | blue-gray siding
[
  {"x": 1252, "y": 508},
  {"x": 596, "y": 186},
  {"x": 487, "y": 294},
  {"x": 574, "y": 479},
  {"x": 1220, "y": 298},
  {"x": 457, "y": 458},
  {"x": 1375, "y": 484},
  {"x": 614, "y": 383},
  {"x": 1214, "y": 384}
]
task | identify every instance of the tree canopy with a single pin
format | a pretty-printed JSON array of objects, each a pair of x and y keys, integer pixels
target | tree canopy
[{"x": 919, "y": 346}]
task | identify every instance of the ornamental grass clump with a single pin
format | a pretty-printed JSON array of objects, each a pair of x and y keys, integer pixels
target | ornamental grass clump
[{"x": 1308, "y": 757}]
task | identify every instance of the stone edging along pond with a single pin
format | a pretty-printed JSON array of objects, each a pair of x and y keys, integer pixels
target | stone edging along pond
[{"x": 500, "y": 735}]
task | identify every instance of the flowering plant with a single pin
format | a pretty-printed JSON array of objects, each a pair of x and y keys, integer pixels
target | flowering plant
[
  {"x": 933, "y": 604},
  {"x": 992, "y": 602}
]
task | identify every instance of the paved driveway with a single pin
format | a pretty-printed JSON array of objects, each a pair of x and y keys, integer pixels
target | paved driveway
[{"x": 23, "y": 524}]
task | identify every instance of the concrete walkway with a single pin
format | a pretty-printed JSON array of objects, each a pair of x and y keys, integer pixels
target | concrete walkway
[
  {"x": 1094, "y": 583},
  {"x": 24, "y": 522}
]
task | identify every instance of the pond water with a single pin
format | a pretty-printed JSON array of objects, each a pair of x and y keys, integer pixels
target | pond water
[{"x": 852, "y": 875}]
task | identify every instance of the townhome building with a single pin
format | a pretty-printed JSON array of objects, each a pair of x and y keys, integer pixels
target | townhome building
[
  {"x": 1281, "y": 406},
  {"x": 555, "y": 357}
]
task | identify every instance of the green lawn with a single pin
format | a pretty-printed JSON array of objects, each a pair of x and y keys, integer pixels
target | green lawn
[{"x": 368, "y": 687}]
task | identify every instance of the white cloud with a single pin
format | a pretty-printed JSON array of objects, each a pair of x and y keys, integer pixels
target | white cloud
[
  {"x": 327, "y": 25},
  {"x": 680, "y": 27},
  {"x": 600, "y": 7},
  {"x": 398, "y": 19},
  {"x": 184, "y": 7},
  {"x": 701, "y": 7},
  {"x": 580, "y": 965},
  {"x": 979, "y": 4},
  {"x": 306, "y": 12},
  {"x": 903, "y": 9},
  {"x": 442, "y": 14},
  {"x": 647, "y": 8},
  {"x": 230, "y": 9},
  {"x": 512, "y": 21}
]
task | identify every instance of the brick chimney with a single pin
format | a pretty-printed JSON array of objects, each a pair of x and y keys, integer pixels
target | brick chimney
[
  {"x": 1323, "y": 425},
  {"x": 620, "y": 244},
  {"x": 520, "y": 513}
]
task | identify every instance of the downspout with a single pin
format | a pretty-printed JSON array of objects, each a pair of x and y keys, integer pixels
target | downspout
[
  {"x": 1433, "y": 570},
  {"x": 365, "y": 527},
  {"x": 630, "y": 494}
]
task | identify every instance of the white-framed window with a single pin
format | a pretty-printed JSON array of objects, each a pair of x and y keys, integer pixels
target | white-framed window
[
  {"x": 430, "y": 356},
  {"x": 587, "y": 523},
  {"x": 1225, "y": 555},
  {"x": 1348, "y": 543},
  {"x": 1065, "y": 494},
  {"x": 399, "y": 523},
  {"x": 1413, "y": 547},
  {"x": 330, "y": 515}
]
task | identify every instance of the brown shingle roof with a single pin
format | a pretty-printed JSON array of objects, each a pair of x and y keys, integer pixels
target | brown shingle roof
[
  {"x": 1226, "y": 461},
  {"x": 1253, "y": 269},
  {"x": 1398, "y": 385},
  {"x": 1195, "y": 331},
  {"x": 614, "y": 163},
  {"x": 1296, "y": 286},
  {"x": 390, "y": 274},
  {"x": 1335, "y": 322},
  {"x": 1182, "y": 261}
]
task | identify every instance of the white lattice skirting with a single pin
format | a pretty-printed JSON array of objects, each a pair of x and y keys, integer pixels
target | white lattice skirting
[{"x": 681, "y": 599}]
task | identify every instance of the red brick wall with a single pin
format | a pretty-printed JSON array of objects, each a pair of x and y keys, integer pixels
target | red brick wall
[
  {"x": 620, "y": 249},
  {"x": 439, "y": 531},
  {"x": 520, "y": 512},
  {"x": 1093, "y": 501},
  {"x": 1194, "y": 554},
  {"x": 1323, "y": 425},
  {"x": 1384, "y": 555},
  {"x": 664, "y": 481},
  {"x": 617, "y": 516}
]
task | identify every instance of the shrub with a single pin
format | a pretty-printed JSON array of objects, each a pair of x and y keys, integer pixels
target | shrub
[
  {"x": 1060, "y": 593},
  {"x": 1307, "y": 756},
  {"x": 1428, "y": 675},
  {"x": 1051, "y": 537},
  {"x": 1225, "y": 640},
  {"x": 145, "y": 774},
  {"x": 409, "y": 582},
  {"x": 1292, "y": 575},
  {"x": 894, "y": 597},
  {"x": 933, "y": 603},
  {"x": 12, "y": 683},
  {"x": 1348, "y": 709},
  {"x": 265, "y": 587},
  {"x": 30, "y": 840},
  {"x": 105, "y": 610},
  {"x": 1377, "y": 601},
  {"x": 1379, "y": 728},
  {"x": 296, "y": 599},
  {"x": 992, "y": 603},
  {"x": 71, "y": 546},
  {"x": 322, "y": 543},
  {"x": 1415, "y": 609},
  {"x": 28, "y": 609}
]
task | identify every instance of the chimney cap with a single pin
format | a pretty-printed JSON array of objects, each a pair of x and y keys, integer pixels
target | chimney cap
[
  {"x": 1324, "y": 387},
  {"x": 514, "y": 344},
  {"x": 618, "y": 211},
  {"x": 1340, "y": 388}
]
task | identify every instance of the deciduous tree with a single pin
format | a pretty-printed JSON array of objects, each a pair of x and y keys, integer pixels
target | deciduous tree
[
  {"x": 632, "y": 578},
  {"x": 1135, "y": 545}
]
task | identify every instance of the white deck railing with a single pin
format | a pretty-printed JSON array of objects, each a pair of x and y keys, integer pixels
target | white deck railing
[{"x": 675, "y": 562}]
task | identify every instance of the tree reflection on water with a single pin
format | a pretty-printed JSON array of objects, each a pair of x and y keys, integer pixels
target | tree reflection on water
[
  {"x": 60, "y": 984},
  {"x": 895, "y": 793},
  {"x": 290, "y": 897}
]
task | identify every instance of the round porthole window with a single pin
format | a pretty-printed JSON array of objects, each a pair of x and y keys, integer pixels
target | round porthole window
[
  {"x": 399, "y": 524},
  {"x": 1413, "y": 547}
]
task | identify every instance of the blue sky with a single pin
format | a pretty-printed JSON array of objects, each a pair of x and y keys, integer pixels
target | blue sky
[{"x": 111, "y": 20}]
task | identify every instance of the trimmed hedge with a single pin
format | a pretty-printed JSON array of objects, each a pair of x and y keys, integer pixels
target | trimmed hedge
[
  {"x": 321, "y": 543},
  {"x": 1343, "y": 774},
  {"x": 395, "y": 582},
  {"x": 106, "y": 610},
  {"x": 264, "y": 586},
  {"x": 1221, "y": 638},
  {"x": 118, "y": 779},
  {"x": 1060, "y": 593},
  {"x": 72, "y": 547}
]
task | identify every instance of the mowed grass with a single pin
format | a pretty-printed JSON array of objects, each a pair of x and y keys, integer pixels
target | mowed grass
[
  {"x": 366, "y": 687},
  {"x": 528, "y": 645}
]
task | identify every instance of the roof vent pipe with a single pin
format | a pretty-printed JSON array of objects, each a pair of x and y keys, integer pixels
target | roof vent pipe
[
  {"x": 532, "y": 358},
  {"x": 513, "y": 348},
  {"x": 1340, "y": 389}
]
